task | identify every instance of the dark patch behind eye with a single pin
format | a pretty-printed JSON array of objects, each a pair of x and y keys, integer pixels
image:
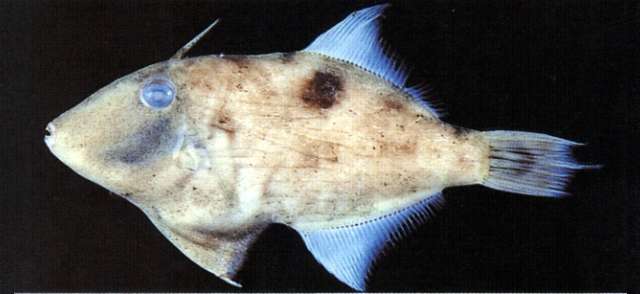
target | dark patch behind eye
[{"x": 145, "y": 144}]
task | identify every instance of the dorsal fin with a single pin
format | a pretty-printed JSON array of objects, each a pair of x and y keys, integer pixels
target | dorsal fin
[
  {"x": 357, "y": 40},
  {"x": 349, "y": 252}
]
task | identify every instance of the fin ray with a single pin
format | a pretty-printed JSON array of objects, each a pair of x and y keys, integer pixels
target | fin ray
[
  {"x": 357, "y": 40},
  {"x": 530, "y": 163},
  {"x": 349, "y": 252}
]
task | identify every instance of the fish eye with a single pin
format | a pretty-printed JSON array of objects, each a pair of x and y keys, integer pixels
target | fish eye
[{"x": 158, "y": 93}]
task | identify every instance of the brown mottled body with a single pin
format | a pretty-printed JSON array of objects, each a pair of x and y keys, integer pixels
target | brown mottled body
[
  {"x": 298, "y": 138},
  {"x": 312, "y": 142},
  {"x": 326, "y": 140}
]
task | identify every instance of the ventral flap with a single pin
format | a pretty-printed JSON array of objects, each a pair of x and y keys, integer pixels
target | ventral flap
[{"x": 219, "y": 253}]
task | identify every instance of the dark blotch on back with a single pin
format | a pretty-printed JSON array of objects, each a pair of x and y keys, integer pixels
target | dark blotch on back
[
  {"x": 148, "y": 141},
  {"x": 241, "y": 61},
  {"x": 393, "y": 105},
  {"x": 460, "y": 131},
  {"x": 287, "y": 57},
  {"x": 321, "y": 91}
]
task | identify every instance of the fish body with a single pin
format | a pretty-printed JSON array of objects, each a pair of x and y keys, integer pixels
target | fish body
[
  {"x": 319, "y": 153},
  {"x": 327, "y": 140}
]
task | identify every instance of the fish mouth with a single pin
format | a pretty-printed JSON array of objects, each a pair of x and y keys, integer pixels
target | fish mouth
[
  {"x": 56, "y": 145},
  {"x": 48, "y": 137}
]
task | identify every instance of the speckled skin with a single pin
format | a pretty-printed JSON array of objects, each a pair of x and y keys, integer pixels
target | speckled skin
[{"x": 297, "y": 138}]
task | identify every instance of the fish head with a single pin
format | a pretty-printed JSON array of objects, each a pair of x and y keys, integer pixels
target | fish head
[
  {"x": 137, "y": 138},
  {"x": 127, "y": 133}
]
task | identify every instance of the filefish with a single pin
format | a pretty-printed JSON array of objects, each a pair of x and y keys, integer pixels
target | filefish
[{"x": 329, "y": 140}]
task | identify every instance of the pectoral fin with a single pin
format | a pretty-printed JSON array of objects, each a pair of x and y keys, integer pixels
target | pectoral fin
[{"x": 221, "y": 253}]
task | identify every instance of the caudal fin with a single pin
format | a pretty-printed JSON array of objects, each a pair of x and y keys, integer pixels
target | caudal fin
[{"x": 530, "y": 163}]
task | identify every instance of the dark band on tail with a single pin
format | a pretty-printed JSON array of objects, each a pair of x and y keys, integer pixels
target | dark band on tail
[{"x": 530, "y": 163}]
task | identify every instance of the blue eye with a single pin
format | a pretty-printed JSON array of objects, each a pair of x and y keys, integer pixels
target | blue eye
[{"x": 158, "y": 93}]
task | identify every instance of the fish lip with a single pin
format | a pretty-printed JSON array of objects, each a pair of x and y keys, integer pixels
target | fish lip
[{"x": 48, "y": 137}]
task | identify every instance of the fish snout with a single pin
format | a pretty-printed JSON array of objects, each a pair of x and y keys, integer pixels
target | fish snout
[{"x": 49, "y": 135}]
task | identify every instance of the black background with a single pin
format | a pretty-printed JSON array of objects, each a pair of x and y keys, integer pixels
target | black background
[{"x": 565, "y": 68}]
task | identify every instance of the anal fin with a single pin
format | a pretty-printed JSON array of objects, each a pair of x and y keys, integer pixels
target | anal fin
[{"x": 349, "y": 252}]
